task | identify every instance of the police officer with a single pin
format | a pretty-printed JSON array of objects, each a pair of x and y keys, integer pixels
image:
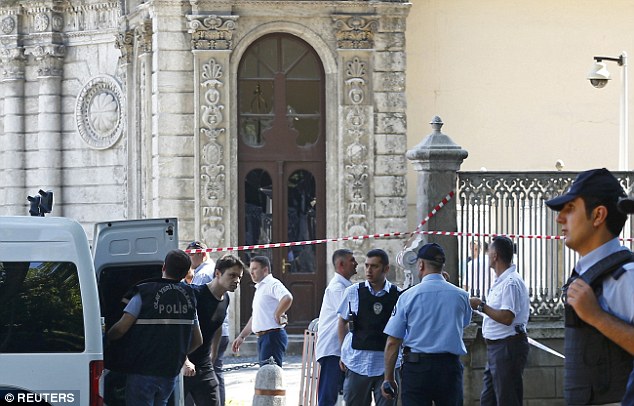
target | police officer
[
  {"x": 504, "y": 328},
  {"x": 368, "y": 305},
  {"x": 428, "y": 320},
  {"x": 599, "y": 310},
  {"x": 160, "y": 327}
]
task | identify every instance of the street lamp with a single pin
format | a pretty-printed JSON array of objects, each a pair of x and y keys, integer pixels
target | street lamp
[{"x": 599, "y": 76}]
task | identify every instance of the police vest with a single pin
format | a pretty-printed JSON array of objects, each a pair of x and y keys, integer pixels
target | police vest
[
  {"x": 596, "y": 370},
  {"x": 159, "y": 340},
  {"x": 372, "y": 316}
]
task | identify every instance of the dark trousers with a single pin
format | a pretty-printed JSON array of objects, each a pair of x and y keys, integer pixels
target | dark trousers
[
  {"x": 272, "y": 344},
  {"x": 503, "y": 383},
  {"x": 359, "y": 389},
  {"x": 218, "y": 364},
  {"x": 202, "y": 387},
  {"x": 330, "y": 380},
  {"x": 628, "y": 399},
  {"x": 436, "y": 378}
]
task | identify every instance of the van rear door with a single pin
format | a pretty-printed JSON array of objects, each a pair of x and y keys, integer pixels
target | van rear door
[{"x": 125, "y": 253}]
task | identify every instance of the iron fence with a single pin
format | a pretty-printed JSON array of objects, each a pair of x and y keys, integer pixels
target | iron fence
[{"x": 512, "y": 203}]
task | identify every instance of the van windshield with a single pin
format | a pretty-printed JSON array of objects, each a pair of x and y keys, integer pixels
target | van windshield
[{"x": 40, "y": 308}]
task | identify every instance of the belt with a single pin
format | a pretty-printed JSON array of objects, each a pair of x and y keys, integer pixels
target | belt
[
  {"x": 263, "y": 332},
  {"x": 421, "y": 356},
  {"x": 506, "y": 339}
]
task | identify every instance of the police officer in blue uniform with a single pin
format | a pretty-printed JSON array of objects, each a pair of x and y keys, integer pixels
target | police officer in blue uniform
[
  {"x": 599, "y": 310},
  {"x": 160, "y": 327},
  {"x": 428, "y": 321}
]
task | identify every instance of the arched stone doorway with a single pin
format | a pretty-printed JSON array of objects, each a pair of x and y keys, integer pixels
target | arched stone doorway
[{"x": 281, "y": 167}]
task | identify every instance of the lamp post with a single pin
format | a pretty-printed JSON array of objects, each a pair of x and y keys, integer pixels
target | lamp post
[{"x": 599, "y": 76}]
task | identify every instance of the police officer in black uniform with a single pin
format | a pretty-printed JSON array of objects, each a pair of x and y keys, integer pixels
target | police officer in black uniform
[
  {"x": 368, "y": 305},
  {"x": 599, "y": 311},
  {"x": 160, "y": 327}
]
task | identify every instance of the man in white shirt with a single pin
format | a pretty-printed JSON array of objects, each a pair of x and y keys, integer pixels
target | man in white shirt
[
  {"x": 328, "y": 349},
  {"x": 504, "y": 328},
  {"x": 202, "y": 266},
  {"x": 268, "y": 318}
]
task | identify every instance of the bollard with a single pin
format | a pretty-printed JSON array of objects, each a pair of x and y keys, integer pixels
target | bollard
[{"x": 269, "y": 389}]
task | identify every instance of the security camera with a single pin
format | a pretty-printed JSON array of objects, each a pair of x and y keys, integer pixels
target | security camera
[
  {"x": 599, "y": 75},
  {"x": 598, "y": 83}
]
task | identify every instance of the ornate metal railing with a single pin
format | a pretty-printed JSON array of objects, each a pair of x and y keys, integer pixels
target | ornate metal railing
[{"x": 513, "y": 203}]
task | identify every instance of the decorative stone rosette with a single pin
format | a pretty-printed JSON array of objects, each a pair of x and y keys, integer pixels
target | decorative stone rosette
[{"x": 99, "y": 112}]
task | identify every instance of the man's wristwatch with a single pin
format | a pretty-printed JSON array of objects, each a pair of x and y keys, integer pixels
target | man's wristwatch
[{"x": 480, "y": 307}]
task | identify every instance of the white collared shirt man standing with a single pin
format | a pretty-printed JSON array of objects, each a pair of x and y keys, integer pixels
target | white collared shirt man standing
[
  {"x": 268, "y": 318},
  {"x": 504, "y": 328},
  {"x": 328, "y": 348}
]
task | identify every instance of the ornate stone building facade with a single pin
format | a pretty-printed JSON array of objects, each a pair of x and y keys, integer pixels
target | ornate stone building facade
[{"x": 136, "y": 109}]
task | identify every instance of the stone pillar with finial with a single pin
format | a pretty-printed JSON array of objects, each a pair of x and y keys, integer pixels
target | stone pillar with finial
[{"x": 437, "y": 160}]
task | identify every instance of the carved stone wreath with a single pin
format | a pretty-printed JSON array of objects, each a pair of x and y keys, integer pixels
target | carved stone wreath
[
  {"x": 99, "y": 112},
  {"x": 8, "y": 25}
]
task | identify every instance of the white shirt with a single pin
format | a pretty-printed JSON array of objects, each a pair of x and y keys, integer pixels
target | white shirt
[
  {"x": 268, "y": 293},
  {"x": 479, "y": 275},
  {"x": 327, "y": 337},
  {"x": 204, "y": 273},
  {"x": 507, "y": 293}
]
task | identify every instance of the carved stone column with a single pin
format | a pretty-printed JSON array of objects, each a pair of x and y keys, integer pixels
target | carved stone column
[
  {"x": 356, "y": 111},
  {"x": 141, "y": 103},
  {"x": 437, "y": 159},
  {"x": 212, "y": 43},
  {"x": 125, "y": 69},
  {"x": 12, "y": 163},
  {"x": 49, "y": 60}
]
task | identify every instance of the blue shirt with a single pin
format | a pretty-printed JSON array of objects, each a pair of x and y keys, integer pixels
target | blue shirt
[
  {"x": 362, "y": 362},
  {"x": 430, "y": 317},
  {"x": 616, "y": 298}
]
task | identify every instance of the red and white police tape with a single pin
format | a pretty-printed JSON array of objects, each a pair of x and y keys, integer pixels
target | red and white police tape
[
  {"x": 377, "y": 235},
  {"x": 431, "y": 214}
]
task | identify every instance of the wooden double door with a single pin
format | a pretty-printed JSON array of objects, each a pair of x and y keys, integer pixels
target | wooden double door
[{"x": 281, "y": 168}]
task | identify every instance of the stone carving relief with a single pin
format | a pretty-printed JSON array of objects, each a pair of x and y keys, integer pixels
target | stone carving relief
[
  {"x": 12, "y": 63},
  {"x": 58, "y": 22},
  {"x": 144, "y": 37},
  {"x": 356, "y": 71},
  {"x": 86, "y": 15},
  {"x": 50, "y": 59},
  {"x": 40, "y": 22},
  {"x": 212, "y": 169},
  {"x": 355, "y": 32},
  {"x": 124, "y": 43},
  {"x": 356, "y": 169},
  {"x": 212, "y": 32},
  {"x": 8, "y": 25},
  {"x": 99, "y": 112}
]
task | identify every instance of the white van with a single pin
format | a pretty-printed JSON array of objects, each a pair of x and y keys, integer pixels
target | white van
[{"x": 50, "y": 323}]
